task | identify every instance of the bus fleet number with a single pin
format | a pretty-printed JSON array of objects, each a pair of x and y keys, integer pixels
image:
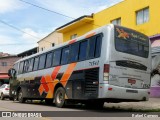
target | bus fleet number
[{"x": 94, "y": 63}]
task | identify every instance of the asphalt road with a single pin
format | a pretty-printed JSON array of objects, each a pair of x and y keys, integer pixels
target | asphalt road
[{"x": 79, "y": 110}]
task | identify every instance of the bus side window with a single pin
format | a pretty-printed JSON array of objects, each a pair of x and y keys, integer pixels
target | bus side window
[
  {"x": 92, "y": 44},
  {"x": 65, "y": 55},
  {"x": 30, "y": 68},
  {"x": 74, "y": 50},
  {"x": 42, "y": 60},
  {"x": 56, "y": 57},
  {"x": 83, "y": 50},
  {"x": 49, "y": 60},
  {"x": 36, "y": 61},
  {"x": 98, "y": 46},
  {"x": 21, "y": 67},
  {"x": 16, "y": 66},
  {"x": 25, "y": 68}
]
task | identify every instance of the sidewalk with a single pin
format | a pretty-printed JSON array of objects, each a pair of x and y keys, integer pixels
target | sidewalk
[{"x": 153, "y": 103}]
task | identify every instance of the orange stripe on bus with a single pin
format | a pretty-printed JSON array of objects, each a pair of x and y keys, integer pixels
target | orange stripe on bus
[
  {"x": 72, "y": 41},
  {"x": 90, "y": 35},
  {"x": 55, "y": 72},
  {"x": 50, "y": 86},
  {"x": 41, "y": 89},
  {"x": 50, "y": 92},
  {"x": 67, "y": 74}
]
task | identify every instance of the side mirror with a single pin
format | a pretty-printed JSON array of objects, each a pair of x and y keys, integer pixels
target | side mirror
[{"x": 12, "y": 73}]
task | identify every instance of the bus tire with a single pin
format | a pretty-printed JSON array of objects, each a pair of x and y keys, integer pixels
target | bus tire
[
  {"x": 60, "y": 97},
  {"x": 20, "y": 97}
]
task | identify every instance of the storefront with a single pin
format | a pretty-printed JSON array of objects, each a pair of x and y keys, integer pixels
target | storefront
[{"x": 4, "y": 78}]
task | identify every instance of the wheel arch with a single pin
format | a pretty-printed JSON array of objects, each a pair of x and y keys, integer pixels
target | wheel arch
[{"x": 56, "y": 87}]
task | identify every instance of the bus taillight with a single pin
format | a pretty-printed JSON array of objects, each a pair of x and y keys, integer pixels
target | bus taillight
[{"x": 106, "y": 72}]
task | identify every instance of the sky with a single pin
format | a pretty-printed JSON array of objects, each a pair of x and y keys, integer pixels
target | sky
[{"x": 38, "y": 23}]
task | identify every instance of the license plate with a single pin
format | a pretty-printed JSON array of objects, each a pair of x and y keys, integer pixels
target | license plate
[
  {"x": 131, "y": 81},
  {"x": 132, "y": 91}
]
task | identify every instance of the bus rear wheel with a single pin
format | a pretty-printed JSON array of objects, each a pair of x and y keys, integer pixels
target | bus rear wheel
[
  {"x": 20, "y": 97},
  {"x": 60, "y": 97}
]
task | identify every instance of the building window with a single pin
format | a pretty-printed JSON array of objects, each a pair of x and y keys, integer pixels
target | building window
[
  {"x": 142, "y": 16},
  {"x": 43, "y": 48},
  {"x": 116, "y": 21},
  {"x": 53, "y": 44},
  {"x": 4, "y": 63},
  {"x": 73, "y": 36}
]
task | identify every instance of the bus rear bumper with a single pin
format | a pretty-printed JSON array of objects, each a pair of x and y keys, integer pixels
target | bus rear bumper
[{"x": 121, "y": 93}]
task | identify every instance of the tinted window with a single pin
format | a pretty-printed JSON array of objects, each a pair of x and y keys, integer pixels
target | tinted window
[
  {"x": 31, "y": 61},
  {"x": 42, "y": 61},
  {"x": 133, "y": 42},
  {"x": 74, "y": 52},
  {"x": 21, "y": 67},
  {"x": 98, "y": 46},
  {"x": 36, "y": 63},
  {"x": 16, "y": 66},
  {"x": 65, "y": 55},
  {"x": 3, "y": 86},
  {"x": 83, "y": 50},
  {"x": 25, "y": 68},
  {"x": 49, "y": 60},
  {"x": 56, "y": 57},
  {"x": 92, "y": 44}
]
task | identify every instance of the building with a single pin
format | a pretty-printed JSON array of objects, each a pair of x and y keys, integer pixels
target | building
[
  {"x": 76, "y": 27},
  {"x": 140, "y": 15},
  {"x": 28, "y": 52},
  {"x": 52, "y": 39},
  {"x": 6, "y": 62}
]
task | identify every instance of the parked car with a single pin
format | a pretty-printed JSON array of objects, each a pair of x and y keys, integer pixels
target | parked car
[{"x": 4, "y": 91}]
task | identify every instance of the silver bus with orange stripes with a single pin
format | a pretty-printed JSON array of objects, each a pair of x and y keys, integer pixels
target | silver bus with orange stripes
[{"x": 108, "y": 64}]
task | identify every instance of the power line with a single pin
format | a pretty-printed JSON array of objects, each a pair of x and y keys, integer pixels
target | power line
[
  {"x": 55, "y": 12},
  {"x": 16, "y": 28},
  {"x": 47, "y": 9}
]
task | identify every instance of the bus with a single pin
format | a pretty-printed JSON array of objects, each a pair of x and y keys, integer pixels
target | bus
[{"x": 109, "y": 64}]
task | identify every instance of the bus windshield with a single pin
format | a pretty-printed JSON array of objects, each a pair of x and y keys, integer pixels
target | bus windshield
[{"x": 131, "y": 42}]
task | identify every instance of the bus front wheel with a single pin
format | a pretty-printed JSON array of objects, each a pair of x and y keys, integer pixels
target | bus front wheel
[
  {"x": 60, "y": 97},
  {"x": 20, "y": 97}
]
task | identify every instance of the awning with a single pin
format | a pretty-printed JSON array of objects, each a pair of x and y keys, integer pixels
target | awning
[{"x": 4, "y": 76}]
